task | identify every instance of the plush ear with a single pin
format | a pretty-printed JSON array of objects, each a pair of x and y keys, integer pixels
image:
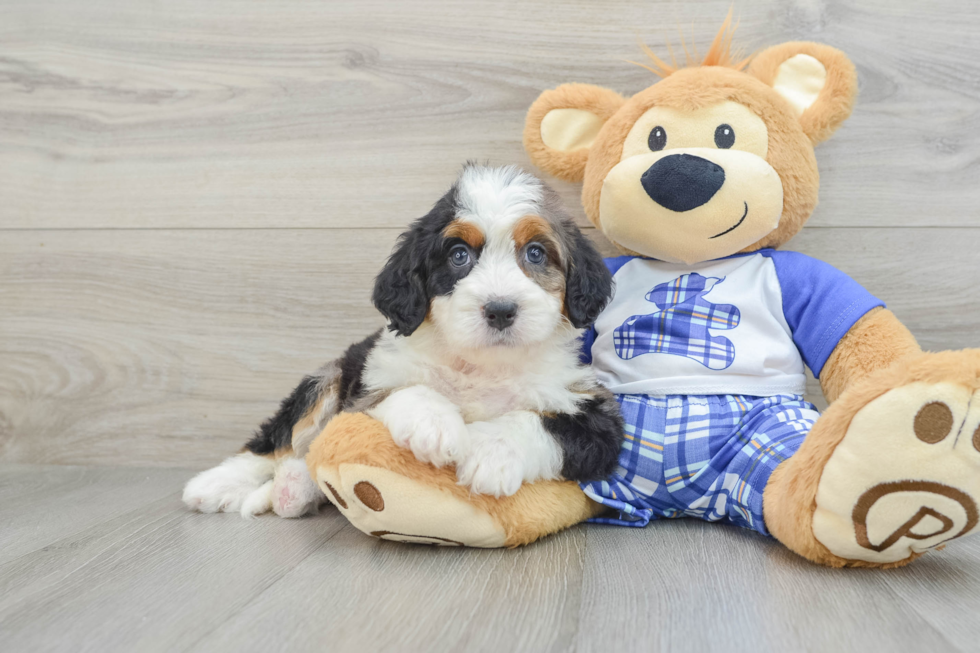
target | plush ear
[
  {"x": 400, "y": 288},
  {"x": 588, "y": 284},
  {"x": 561, "y": 125},
  {"x": 818, "y": 81}
]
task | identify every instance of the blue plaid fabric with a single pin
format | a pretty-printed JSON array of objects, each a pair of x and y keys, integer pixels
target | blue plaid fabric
[
  {"x": 701, "y": 456},
  {"x": 681, "y": 326}
]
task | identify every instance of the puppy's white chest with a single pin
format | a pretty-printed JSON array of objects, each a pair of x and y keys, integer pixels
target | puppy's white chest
[{"x": 480, "y": 395}]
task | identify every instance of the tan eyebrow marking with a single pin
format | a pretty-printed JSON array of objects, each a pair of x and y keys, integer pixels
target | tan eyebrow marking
[
  {"x": 530, "y": 227},
  {"x": 468, "y": 232}
]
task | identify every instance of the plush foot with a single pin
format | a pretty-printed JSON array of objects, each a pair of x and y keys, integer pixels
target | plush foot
[
  {"x": 392, "y": 507},
  {"x": 891, "y": 471},
  {"x": 386, "y": 492}
]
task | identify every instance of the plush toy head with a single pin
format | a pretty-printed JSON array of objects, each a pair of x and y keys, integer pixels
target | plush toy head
[{"x": 711, "y": 160}]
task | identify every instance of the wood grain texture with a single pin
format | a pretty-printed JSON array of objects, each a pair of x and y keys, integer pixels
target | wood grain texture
[
  {"x": 343, "y": 114},
  {"x": 687, "y": 585},
  {"x": 168, "y": 347},
  {"x": 146, "y": 575},
  {"x": 406, "y": 598},
  {"x": 150, "y": 576},
  {"x": 42, "y": 505}
]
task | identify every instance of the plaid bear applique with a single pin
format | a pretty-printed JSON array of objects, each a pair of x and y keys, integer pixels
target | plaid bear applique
[{"x": 681, "y": 326}]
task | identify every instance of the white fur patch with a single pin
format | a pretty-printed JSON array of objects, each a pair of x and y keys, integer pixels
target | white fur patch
[
  {"x": 253, "y": 485},
  {"x": 258, "y": 502},
  {"x": 507, "y": 452},
  {"x": 226, "y": 487},
  {"x": 422, "y": 420},
  {"x": 494, "y": 199},
  {"x": 484, "y": 384}
]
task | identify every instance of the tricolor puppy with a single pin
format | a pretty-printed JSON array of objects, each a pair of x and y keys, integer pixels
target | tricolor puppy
[{"x": 485, "y": 298}]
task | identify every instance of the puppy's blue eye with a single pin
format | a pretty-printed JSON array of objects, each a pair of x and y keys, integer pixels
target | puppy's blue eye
[
  {"x": 535, "y": 255},
  {"x": 459, "y": 256}
]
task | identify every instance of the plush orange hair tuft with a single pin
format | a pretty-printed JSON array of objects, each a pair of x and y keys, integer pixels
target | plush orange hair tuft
[{"x": 719, "y": 54}]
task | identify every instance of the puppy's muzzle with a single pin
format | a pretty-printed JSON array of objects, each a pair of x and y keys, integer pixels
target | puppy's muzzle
[
  {"x": 500, "y": 314},
  {"x": 682, "y": 182}
]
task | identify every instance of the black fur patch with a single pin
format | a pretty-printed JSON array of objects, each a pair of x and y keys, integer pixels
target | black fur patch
[
  {"x": 419, "y": 268},
  {"x": 277, "y": 432},
  {"x": 590, "y": 439},
  {"x": 352, "y": 369},
  {"x": 589, "y": 285}
]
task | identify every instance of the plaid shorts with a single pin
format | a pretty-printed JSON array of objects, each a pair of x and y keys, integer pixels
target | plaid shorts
[{"x": 701, "y": 456}]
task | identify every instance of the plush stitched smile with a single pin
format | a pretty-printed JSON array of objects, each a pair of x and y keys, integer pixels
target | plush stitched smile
[{"x": 735, "y": 226}]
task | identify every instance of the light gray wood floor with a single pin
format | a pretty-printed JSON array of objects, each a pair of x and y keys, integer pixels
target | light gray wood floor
[
  {"x": 194, "y": 198},
  {"x": 107, "y": 558}
]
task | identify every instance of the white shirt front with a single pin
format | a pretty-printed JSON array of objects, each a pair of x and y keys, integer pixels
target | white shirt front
[{"x": 712, "y": 328}]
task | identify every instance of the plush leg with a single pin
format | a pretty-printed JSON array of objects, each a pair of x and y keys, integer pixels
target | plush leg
[
  {"x": 891, "y": 470},
  {"x": 385, "y": 492}
]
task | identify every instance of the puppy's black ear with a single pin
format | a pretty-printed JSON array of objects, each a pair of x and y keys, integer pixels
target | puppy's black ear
[
  {"x": 588, "y": 285},
  {"x": 399, "y": 290}
]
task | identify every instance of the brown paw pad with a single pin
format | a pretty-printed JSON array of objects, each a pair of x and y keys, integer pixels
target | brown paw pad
[
  {"x": 370, "y": 496},
  {"x": 336, "y": 497},
  {"x": 933, "y": 422}
]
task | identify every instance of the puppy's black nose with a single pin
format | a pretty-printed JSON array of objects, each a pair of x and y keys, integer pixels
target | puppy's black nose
[
  {"x": 681, "y": 182},
  {"x": 500, "y": 315}
]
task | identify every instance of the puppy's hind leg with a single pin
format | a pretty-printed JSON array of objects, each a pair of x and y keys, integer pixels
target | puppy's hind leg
[
  {"x": 229, "y": 486},
  {"x": 293, "y": 493},
  {"x": 265, "y": 475}
]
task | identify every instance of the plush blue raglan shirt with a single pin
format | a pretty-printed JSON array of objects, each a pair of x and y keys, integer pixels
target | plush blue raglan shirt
[{"x": 745, "y": 324}]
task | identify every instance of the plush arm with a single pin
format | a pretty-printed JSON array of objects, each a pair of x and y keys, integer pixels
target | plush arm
[{"x": 875, "y": 341}]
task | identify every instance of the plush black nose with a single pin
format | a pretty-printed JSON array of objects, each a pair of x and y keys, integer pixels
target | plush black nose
[
  {"x": 500, "y": 315},
  {"x": 681, "y": 182}
]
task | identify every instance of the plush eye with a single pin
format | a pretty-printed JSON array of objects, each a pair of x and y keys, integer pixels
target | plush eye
[
  {"x": 535, "y": 255},
  {"x": 459, "y": 256},
  {"x": 724, "y": 136},
  {"x": 658, "y": 139}
]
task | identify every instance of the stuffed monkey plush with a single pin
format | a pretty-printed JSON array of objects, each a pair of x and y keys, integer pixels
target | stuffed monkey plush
[{"x": 697, "y": 180}]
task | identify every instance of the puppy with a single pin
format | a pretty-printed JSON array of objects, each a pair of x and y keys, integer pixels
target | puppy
[{"x": 485, "y": 297}]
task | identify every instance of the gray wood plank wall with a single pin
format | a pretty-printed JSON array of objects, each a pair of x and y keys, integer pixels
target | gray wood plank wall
[{"x": 195, "y": 196}]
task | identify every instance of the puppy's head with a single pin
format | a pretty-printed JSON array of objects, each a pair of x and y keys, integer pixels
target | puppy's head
[{"x": 495, "y": 263}]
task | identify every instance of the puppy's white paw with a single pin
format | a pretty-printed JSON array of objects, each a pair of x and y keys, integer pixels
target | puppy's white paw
[
  {"x": 258, "y": 502},
  {"x": 439, "y": 437},
  {"x": 422, "y": 420},
  {"x": 226, "y": 487},
  {"x": 293, "y": 492},
  {"x": 494, "y": 466}
]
